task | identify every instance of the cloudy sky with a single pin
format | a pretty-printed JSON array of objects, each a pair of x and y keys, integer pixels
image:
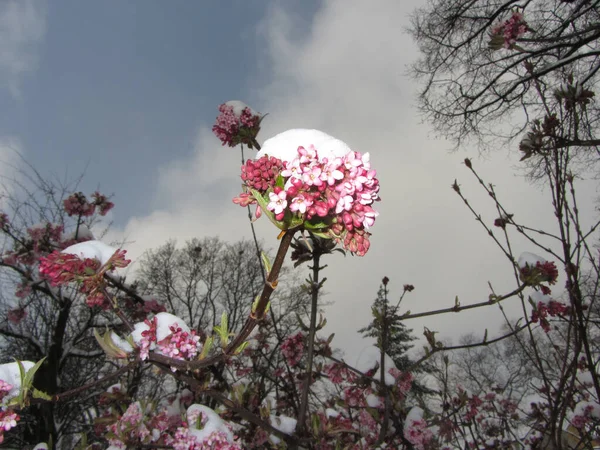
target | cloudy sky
[{"x": 128, "y": 92}]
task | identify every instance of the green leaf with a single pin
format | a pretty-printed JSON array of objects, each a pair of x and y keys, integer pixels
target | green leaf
[
  {"x": 31, "y": 372},
  {"x": 263, "y": 206},
  {"x": 208, "y": 343},
  {"x": 280, "y": 181},
  {"x": 222, "y": 330},
  {"x": 255, "y": 303},
  {"x": 241, "y": 348},
  {"x": 23, "y": 387},
  {"x": 39, "y": 394},
  {"x": 320, "y": 234},
  {"x": 310, "y": 226},
  {"x": 265, "y": 261}
]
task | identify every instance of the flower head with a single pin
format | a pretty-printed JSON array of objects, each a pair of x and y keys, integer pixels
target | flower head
[
  {"x": 306, "y": 178},
  {"x": 236, "y": 124},
  {"x": 506, "y": 33}
]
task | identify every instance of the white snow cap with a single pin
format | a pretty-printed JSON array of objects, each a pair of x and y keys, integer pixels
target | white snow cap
[
  {"x": 92, "y": 250},
  {"x": 10, "y": 373},
  {"x": 538, "y": 297},
  {"x": 329, "y": 412},
  {"x": 414, "y": 415},
  {"x": 373, "y": 401},
  {"x": 529, "y": 259},
  {"x": 114, "y": 388},
  {"x": 369, "y": 358},
  {"x": 120, "y": 342},
  {"x": 238, "y": 107},
  {"x": 284, "y": 424},
  {"x": 285, "y": 145},
  {"x": 213, "y": 424}
]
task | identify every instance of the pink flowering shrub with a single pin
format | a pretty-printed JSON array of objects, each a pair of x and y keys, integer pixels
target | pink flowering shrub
[{"x": 236, "y": 124}]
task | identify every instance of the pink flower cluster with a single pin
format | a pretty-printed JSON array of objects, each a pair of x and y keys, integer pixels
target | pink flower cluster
[
  {"x": 333, "y": 196},
  {"x": 404, "y": 381},
  {"x": 418, "y": 434},
  {"x": 134, "y": 427},
  {"x": 63, "y": 268},
  {"x": 338, "y": 373},
  {"x": 148, "y": 338},
  {"x": 8, "y": 420},
  {"x": 5, "y": 389},
  {"x": 77, "y": 204},
  {"x": 293, "y": 348},
  {"x": 180, "y": 344},
  {"x": 543, "y": 310},
  {"x": 233, "y": 127},
  {"x": 185, "y": 440},
  {"x": 541, "y": 272},
  {"x": 511, "y": 29}
]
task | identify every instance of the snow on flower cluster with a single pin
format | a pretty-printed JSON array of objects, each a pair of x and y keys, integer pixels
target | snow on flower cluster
[
  {"x": 84, "y": 263},
  {"x": 305, "y": 177},
  {"x": 77, "y": 204},
  {"x": 236, "y": 124},
  {"x": 506, "y": 33},
  {"x": 205, "y": 430},
  {"x": 415, "y": 429},
  {"x": 164, "y": 425},
  {"x": 168, "y": 335},
  {"x": 535, "y": 269}
]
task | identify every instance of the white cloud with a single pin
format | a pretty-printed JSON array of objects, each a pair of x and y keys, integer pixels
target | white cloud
[
  {"x": 11, "y": 166},
  {"x": 22, "y": 26},
  {"x": 345, "y": 76}
]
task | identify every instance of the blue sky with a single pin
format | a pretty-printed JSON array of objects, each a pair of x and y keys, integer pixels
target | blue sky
[
  {"x": 119, "y": 88},
  {"x": 129, "y": 90}
]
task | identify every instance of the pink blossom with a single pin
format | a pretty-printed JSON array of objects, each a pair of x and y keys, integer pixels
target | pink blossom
[
  {"x": 292, "y": 348},
  {"x": 8, "y": 420},
  {"x": 102, "y": 203},
  {"x": 300, "y": 203},
  {"x": 5, "y": 389},
  {"x": 78, "y": 205},
  {"x": 63, "y": 268},
  {"x": 234, "y": 127},
  {"x": 418, "y": 434},
  {"x": 510, "y": 30},
  {"x": 278, "y": 202},
  {"x": 180, "y": 344}
]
